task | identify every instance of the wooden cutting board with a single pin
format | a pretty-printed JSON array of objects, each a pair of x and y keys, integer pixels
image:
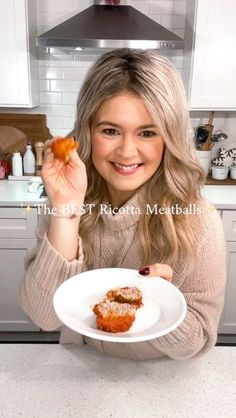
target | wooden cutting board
[{"x": 34, "y": 126}]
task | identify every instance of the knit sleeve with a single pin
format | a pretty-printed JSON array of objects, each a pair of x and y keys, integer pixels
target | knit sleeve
[
  {"x": 45, "y": 270},
  {"x": 204, "y": 290}
]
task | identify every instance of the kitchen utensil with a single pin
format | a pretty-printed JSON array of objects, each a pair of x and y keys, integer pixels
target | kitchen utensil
[
  {"x": 201, "y": 134},
  {"x": 39, "y": 147},
  {"x": 209, "y": 126},
  {"x": 219, "y": 136}
]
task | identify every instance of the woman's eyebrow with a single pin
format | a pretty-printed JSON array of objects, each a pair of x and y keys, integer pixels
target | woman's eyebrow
[{"x": 106, "y": 122}]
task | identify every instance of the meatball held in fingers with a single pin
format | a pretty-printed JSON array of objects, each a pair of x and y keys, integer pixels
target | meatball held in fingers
[{"x": 62, "y": 148}]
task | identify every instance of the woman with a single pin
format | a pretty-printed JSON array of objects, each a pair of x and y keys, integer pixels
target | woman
[{"x": 136, "y": 154}]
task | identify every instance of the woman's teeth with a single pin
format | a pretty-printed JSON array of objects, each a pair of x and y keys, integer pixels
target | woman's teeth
[{"x": 126, "y": 168}]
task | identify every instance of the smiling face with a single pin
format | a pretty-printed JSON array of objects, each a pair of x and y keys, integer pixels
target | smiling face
[{"x": 126, "y": 146}]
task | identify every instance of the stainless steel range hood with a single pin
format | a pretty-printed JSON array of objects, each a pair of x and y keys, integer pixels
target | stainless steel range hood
[{"x": 103, "y": 26}]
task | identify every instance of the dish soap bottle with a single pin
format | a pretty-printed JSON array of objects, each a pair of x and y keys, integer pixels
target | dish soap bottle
[
  {"x": 17, "y": 164},
  {"x": 29, "y": 161}
]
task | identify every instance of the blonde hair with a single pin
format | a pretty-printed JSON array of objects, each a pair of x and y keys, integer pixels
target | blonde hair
[{"x": 166, "y": 237}]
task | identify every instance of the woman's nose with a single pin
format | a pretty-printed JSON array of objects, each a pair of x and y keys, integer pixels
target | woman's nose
[{"x": 127, "y": 147}]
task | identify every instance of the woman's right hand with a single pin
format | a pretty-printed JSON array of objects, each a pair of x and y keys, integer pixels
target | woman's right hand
[{"x": 65, "y": 184}]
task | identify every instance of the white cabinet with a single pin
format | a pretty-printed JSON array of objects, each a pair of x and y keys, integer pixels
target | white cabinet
[
  {"x": 17, "y": 235},
  {"x": 19, "y": 67},
  {"x": 228, "y": 318},
  {"x": 209, "y": 65}
]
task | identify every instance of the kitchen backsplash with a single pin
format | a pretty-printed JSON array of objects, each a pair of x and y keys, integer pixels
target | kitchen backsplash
[{"x": 61, "y": 74}]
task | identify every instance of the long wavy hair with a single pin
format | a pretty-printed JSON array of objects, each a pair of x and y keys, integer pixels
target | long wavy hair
[{"x": 152, "y": 77}]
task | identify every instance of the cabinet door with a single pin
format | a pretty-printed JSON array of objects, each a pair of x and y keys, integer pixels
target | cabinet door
[
  {"x": 15, "y": 68},
  {"x": 228, "y": 318},
  {"x": 213, "y": 66},
  {"x": 12, "y": 254}
]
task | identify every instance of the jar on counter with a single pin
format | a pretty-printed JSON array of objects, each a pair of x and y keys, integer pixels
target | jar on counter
[
  {"x": 219, "y": 172},
  {"x": 233, "y": 172}
]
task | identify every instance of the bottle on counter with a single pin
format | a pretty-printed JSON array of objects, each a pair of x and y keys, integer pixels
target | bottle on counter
[
  {"x": 29, "y": 161},
  {"x": 17, "y": 164}
]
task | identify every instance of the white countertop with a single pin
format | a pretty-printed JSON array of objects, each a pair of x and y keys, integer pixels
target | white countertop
[
  {"x": 13, "y": 193},
  {"x": 48, "y": 380},
  {"x": 223, "y": 197}
]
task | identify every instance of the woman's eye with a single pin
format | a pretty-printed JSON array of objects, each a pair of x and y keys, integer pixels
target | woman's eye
[
  {"x": 110, "y": 131},
  {"x": 148, "y": 134}
]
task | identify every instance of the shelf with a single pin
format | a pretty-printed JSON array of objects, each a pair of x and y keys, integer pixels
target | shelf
[{"x": 228, "y": 182}]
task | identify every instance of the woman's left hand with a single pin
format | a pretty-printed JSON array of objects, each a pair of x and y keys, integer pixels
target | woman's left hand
[{"x": 158, "y": 269}]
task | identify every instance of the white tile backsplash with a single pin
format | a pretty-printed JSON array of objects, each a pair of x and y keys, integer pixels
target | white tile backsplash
[
  {"x": 173, "y": 21},
  {"x": 62, "y": 85},
  {"x": 77, "y": 73},
  {"x": 51, "y": 73},
  {"x": 50, "y": 98},
  {"x": 69, "y": 98},
  {"x": 142, "y": 6},
  {"x": 161, "y": 7},
  {"x": 62, "y": 73}
]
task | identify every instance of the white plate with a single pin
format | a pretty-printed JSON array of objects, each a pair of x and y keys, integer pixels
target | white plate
[{"x": 163, "y": 310}]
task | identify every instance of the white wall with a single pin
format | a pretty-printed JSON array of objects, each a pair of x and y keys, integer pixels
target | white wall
[{"x": 61, "y": 74}]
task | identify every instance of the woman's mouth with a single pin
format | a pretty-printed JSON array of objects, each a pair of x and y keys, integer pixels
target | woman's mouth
[{"x": 126, "y": 169}]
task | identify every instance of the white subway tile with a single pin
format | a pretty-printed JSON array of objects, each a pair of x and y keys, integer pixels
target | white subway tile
[
  {"x": 55, "y": 122},
  {"x": 69, "y": 123},
  {"x": 142, "y": 6},
  {"x": 62, "y": 5},
  {"x": 70, "y": 98},
  {"x": 47, "y": 109},
  {"x": 173, "y": 21},
  {"x": 180, "y": 7},
  {"x": 42, "y": 5},
  {"x": 48, "y": 20},
  {"x": 85, "y": 59},
  {"x": 62, "y": 85},
  {"x": 79, "y": 5},
  {"x": 52, "y": 63},
  {"x": 44, "y": 85},
  {"x": 50, "y": 98},
  {"x": 161, "y": 7},
  {"x": 50, "y": 72},
  {"x": 78, "y": 85},
  {"x": 50, "y": 6},
  {"x": 75, "y": 73},
  {"x": 63, "y": 111},
  {"x": 59, "y": 132}
]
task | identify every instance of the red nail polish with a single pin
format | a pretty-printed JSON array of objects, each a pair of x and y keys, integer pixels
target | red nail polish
[{"x": 144, "y": 271}]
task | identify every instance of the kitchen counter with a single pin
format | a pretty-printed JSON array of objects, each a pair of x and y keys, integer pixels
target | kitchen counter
[
  {"x": 48, "y": 380},
  {"x": 222, "y": 197},
  {"x": 14, "y": 193}
]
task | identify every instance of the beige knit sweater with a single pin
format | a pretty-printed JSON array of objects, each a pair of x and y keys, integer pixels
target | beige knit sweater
[{"x": 117, "y": 245}]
